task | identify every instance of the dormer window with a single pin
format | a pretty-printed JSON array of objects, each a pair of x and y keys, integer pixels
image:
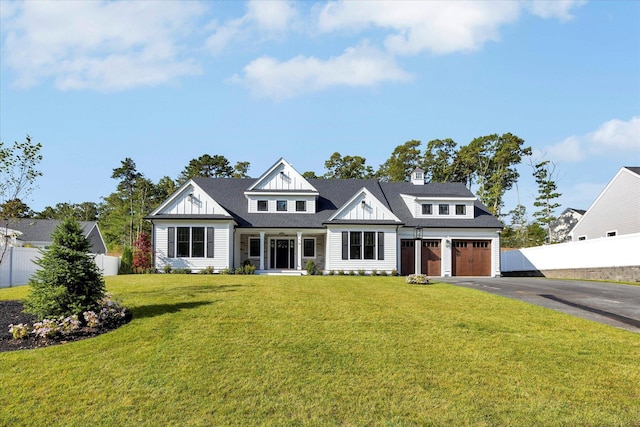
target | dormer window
[
  {"x": 262, "y": 206},
  {"x": 461, "y": 209},
  {"x": 443, "y": 209},
  {"x": 281, "y": 205},
  {"x": 301, "y": 206},
  {"x": 427, "y": 209}
]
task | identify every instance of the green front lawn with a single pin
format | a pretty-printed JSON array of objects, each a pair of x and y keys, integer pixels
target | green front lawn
[{"x": 254, "y": 350}]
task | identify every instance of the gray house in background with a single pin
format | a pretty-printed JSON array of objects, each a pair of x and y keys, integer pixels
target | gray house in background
[
  {"x": 616, "y": 211},
  {"x": 563, "y": 225},
  {"x": 37, "y": 233}
]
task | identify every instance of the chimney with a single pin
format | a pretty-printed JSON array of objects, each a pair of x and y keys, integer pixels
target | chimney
[{"x": 417, "y": 177}]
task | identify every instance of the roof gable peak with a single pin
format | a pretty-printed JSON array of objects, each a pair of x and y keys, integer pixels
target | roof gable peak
[{"x": 282, "y": 176}]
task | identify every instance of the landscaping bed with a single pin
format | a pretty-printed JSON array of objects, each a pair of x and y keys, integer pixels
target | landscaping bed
[{"x": 11, "y": 313}]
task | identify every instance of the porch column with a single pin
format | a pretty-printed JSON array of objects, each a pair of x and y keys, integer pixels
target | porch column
[
  {"x": 299, "y": 257},
  {"x": 262, "y": 250}
]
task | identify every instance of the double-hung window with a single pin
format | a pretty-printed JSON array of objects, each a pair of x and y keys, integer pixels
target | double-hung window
[
  {"x": 190, "y": 242},
  {"x": 363, "y": 245}
]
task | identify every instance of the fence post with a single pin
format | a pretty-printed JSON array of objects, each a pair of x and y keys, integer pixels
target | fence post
[{"x": 10, "y": 266}]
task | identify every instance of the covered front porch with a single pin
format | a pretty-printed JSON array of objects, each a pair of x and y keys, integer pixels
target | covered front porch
[{"x": 280, "y": 251}]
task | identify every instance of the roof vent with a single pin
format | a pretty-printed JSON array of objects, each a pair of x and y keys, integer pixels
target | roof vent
[{"x": 417, "y": 177}]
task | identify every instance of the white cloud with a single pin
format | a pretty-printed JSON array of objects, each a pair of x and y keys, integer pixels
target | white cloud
[
  {"x": 439, "y": 27},
  {"x": 560, "y": 9},
  {"x": 614, "y": 138},
  {"x": 616, "y": 135},
  {"x": 359, "y": 66},
  {"x": 99, "y": 45},
  {"x": 270, "y": 17}
]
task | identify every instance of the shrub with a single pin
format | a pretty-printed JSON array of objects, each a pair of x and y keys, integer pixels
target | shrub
[
  {"x": 374, "y": 272},
  {"x": 361, "y": 272},
  {"x": 249, "y": 269},
  {"x": 207, "y": 270},
  {"x": 46, "y": 328},
  {"x": 126, "y": 261},
  {"x": 352, "y": 273},
  {"x": 69, "y": 324},
  {"x": 394, "y": 272},
  {"x": 239, "y": 270},
  {"x": 226, "y": 271},
  {"x": 167, "y": 268},
  {"x": 142, "y": 253},
  {"x": 68, "y": 281},
  {"x": 182, "y": 271},
  {"x": 311, "y": 268},
  {"x": 417, "y": 279},
  {"x": 383, "y": 273},
  {"x": 19, "y": 331}
]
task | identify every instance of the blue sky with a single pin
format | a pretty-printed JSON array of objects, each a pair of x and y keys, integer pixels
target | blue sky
[{"x": 165, "y": 82}]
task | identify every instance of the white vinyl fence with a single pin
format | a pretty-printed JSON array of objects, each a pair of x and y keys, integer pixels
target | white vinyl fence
[
  {"x": 18, "y": 265},
  {"x": 618, "y": 251}
]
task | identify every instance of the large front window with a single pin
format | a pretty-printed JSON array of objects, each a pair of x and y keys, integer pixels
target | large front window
[
  {"x": 363, "y": 245},
  {"x": 190, "y": 242}
]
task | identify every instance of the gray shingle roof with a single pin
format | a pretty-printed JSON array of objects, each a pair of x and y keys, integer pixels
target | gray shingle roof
[
  {"x": 333, "y": 194},
  {"x": 40, "y": 230}
]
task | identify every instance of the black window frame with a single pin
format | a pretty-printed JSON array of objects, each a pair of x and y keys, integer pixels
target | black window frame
[
  {"x": 355, "y": 245},
  {"x": 263, "y": 205},
  {"x": 427, "y": 209},
  {"x": 461, "y": 209},
  {"x": 443, "y": 209},
  {"x": 312, "y": 242},
  {"x": 252, "y": 241},
  {"x": 198, "y": 240},
  {"x": 301, "y": 205},
  {"x": 183, "y": 242},
  {"x": 281, "y": 205},
  {"x": 369, "y": 245}
]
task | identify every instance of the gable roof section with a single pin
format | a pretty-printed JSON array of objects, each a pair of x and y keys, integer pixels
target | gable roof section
[
  {"x": 191, "y": 201},
  {"x": 364, "y": 206},
  {"x": 40, "y": 230},
  {"x": 281, "y": 177}
]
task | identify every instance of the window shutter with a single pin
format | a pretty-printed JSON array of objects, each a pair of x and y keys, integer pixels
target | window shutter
[
  {"x": 345, "y": 245},
  {"x": 171, "y": 250},
  {"x": 380, "y": 245},
  {"x": 209, "y": 242}
]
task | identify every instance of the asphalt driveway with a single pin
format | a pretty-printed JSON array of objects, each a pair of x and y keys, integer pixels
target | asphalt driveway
[{"x": 610, "y": 303}]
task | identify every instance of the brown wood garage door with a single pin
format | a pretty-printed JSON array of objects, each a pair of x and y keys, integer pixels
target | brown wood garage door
[
  {"x": 471, "y": 257},
  {"x": 407, "y": 257},
  {"x": 431, "y": 258}
]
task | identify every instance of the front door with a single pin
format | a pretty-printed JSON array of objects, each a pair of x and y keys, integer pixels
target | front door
[{"x": 282, "y": 254}]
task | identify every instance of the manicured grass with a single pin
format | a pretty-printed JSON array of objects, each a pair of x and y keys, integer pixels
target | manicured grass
[{"x": 252, "y": 350}]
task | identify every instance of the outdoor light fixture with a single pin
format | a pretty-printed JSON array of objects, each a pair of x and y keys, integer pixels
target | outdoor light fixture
[
  {"x": 364, "y": 204},
  {"x": 418, "y": 232}
]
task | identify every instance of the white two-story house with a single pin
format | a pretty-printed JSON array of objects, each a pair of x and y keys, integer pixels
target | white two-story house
[{"x": 279, "y": 221}]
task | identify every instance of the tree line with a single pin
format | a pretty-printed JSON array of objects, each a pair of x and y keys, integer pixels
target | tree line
[{"x": 487, "y": 165}]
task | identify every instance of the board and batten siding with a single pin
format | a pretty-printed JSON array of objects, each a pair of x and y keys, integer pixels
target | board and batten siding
[
  {"x": 334, "y": 251},
  {"x": 617, "y": 209},
  {"x": 221, "y": 245}
]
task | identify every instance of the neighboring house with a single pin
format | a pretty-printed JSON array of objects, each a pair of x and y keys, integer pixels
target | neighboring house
[
  {"x": 563, "y": 225},
  {"x": 37, "y": 233},
  {"x": 616, "y": 211},
  {"x": 281, "y": 220}
]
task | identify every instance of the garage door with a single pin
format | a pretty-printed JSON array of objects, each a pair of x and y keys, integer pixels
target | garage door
[
  {"x": 407, "y": 257},
  {"x": 471, "y": 257},
  {"x": 431, "y": 258}
]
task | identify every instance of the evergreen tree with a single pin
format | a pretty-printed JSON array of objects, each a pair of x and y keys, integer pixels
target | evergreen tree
[
  {"x": 68, "y": 281},
  {"x": 547, "y": 195}
]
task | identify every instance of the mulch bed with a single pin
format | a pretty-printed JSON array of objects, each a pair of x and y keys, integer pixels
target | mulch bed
[{"x": 11, "y": 313}]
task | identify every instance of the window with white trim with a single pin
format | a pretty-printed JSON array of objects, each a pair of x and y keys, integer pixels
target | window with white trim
[
  {"x": 190, "y": 242},
  {"x": 281, "y": 205},
  {"x": 427, "y": 209},
  {"x": 254, "y": 247},
  {"x": 362, "y": 245},
  {"x": 443, "y": 209},
  {"x": 309, "y": 248},
  {"x": 263, "y": 206}
]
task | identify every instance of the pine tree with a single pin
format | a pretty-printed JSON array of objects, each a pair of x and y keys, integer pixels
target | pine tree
[
  {"x": 68, "y": 281},
  {"x": 547, "y": 195}
]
